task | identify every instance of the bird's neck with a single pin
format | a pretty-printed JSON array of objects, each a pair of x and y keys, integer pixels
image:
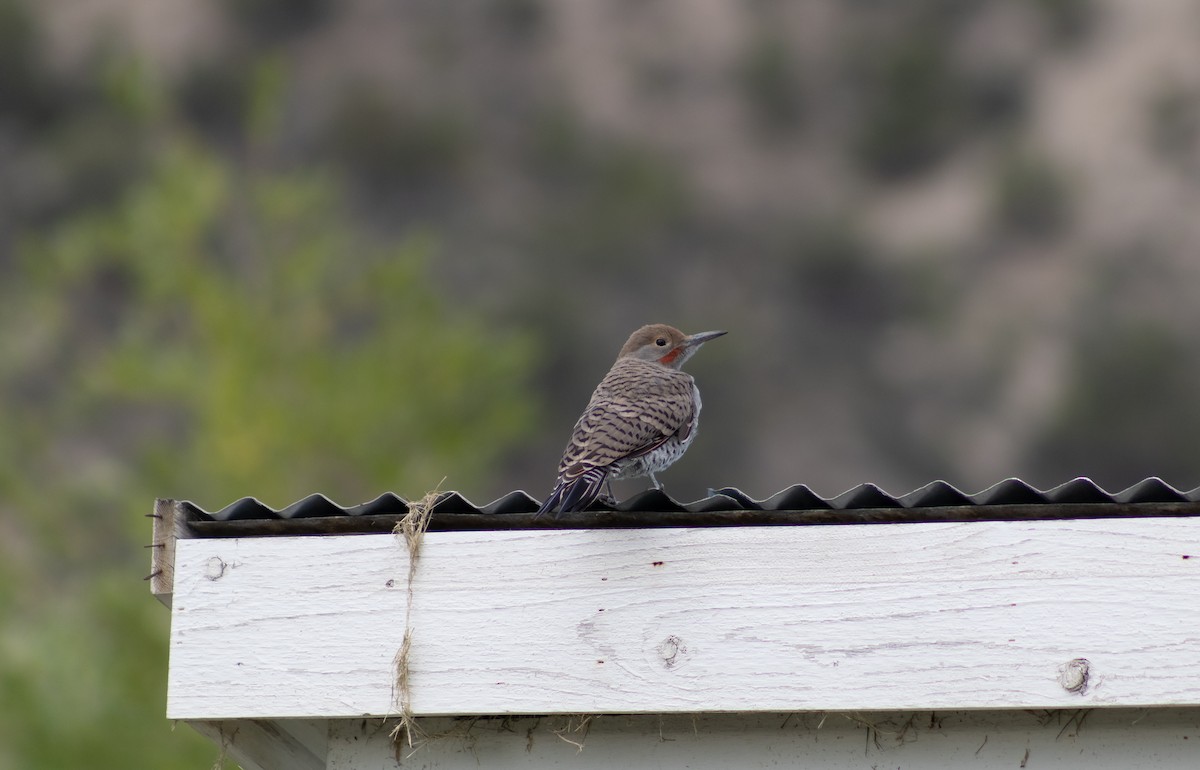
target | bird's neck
[{"x": 670, "y": 362}]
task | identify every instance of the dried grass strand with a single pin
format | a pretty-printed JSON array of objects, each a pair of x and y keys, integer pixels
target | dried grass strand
[
  {"x": 576, "y": 723},
  {"x": 412, "y": 530}
]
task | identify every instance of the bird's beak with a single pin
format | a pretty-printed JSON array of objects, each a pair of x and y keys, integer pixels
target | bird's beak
[{"x": 696, "y": 340}]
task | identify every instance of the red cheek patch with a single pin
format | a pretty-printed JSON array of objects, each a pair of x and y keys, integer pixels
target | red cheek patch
[{"x": 670, "y": 357}]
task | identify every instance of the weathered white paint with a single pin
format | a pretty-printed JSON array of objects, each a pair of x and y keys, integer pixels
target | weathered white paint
[
  {"x": 830, "y": 618},
  {"x": 1166, "y": 739}
]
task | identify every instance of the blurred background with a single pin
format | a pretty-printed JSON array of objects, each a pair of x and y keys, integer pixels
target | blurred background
[{"x": 275, "y": 247}]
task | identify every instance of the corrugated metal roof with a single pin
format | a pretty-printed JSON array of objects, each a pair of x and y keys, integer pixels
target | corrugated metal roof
[{"x": 866, "y": 503}]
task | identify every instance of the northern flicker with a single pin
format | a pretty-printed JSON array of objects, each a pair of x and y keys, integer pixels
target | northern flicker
[{"x": 641, "y": 419}]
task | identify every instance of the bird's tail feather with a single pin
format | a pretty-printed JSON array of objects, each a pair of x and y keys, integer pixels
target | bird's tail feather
[{"x": 576, "y": 494}]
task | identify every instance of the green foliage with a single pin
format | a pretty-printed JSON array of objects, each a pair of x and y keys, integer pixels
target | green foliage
[
  {"x": 390, "y": 148},
  {"x": 771, "y": 85},
  {"x": 842, "y": 280},
  {"x": 995, "y": 96},
  {"x": 274, "y": 20},
  {"x": 22, "y": 82},
  {"x": 1068, "y": 21},
  {"x": 611, "y": 201},
  {"x": 1032, "y": 197},
  {"x": 86, "y": 685},
  {"x": 214, "y": 96},
  {"x": 910, "y": 104},
  {"x": 917, "y": 93},
  {"x": 518, "y": 20},
  {"x": 271, "y": 336},
  {"x": 211, "y": 335},
  {"x": 1129, "y": 410},
  {"x": 1174, "y": 123}
]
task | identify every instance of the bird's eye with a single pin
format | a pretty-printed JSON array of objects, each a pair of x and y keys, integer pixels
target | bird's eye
[{"x": 661, "y": 341}]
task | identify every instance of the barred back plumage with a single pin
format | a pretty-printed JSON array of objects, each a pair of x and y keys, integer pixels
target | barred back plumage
[{"x": 641, "y": 418}]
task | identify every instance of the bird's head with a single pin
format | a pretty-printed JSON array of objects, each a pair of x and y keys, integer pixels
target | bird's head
[{"x": 664, "y": 344}]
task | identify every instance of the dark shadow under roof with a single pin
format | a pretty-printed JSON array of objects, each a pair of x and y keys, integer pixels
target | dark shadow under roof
[{"x": 1011, "y": 499}]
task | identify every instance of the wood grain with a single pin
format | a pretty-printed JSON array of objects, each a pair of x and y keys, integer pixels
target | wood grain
[{"x": 836, "y": 618}]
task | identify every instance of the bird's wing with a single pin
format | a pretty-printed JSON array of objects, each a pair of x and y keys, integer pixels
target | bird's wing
[{"x": 634, "y": 410}]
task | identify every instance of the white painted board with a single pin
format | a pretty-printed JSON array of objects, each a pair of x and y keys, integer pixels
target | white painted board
[{"x": 829, "y": 618}]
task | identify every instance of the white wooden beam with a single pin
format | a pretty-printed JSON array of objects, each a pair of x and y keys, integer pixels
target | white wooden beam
[
  {"x": 258, "y": 744},
  {"x": 1047, "y": 614},
  {"x": 313, "y": 734},
  {"x": 981, "y": 740}
]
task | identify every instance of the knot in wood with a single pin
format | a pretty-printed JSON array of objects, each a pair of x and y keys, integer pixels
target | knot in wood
[
  {"x": 214, "y": 568},
  {"x": 670, "y": 650},
  {"x": 1074, "y": 675}
]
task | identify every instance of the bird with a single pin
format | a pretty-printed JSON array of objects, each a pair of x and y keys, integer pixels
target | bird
[{"x": 641, "y": 418}]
